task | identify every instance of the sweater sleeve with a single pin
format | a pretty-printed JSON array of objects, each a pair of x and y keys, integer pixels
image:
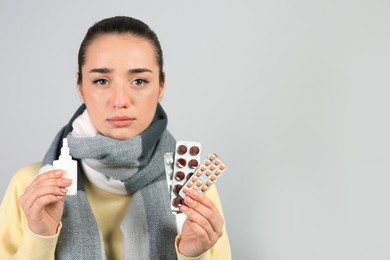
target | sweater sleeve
[
  {"x": 17, "y": 241},
  {"x": 221, "y": 249}
]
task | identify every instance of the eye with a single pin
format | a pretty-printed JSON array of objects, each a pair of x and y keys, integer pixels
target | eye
[
  {"x": 100, "y": 82},
  {"x": 140, "y": 82}
]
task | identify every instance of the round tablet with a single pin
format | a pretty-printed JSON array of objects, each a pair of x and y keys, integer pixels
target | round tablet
[
  {"x": 182, "y": 149},
  {"x": 194, "y": 150},
  {"x": 180, "y": 176}
]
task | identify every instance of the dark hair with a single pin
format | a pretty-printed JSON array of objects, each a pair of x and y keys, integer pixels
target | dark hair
[{"x": 121, "y": 25}]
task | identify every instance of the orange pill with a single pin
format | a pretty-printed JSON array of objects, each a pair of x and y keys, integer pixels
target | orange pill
[
  {"x": 199, "y": 183},
  {"x": 203, "y": 168},
  {"x": 190, "y": 184},
  {"x": 208, "y": 173},
  {"x": 194, "y": 179},
  {"x": 199, "y": 174},
  {"x": 207, "y": 163},
  {"x": 209, "y": 183},
  {"x": 213, "y": 178},
  {"x": 204, "y": 188},
  {"x": 195, "y": 188},
  {"x": 186, "y": 190},
  {"x": 218, "y": 172},
  {"x": 222, "y": 167},
  {"x": 212, "y": 157},
  {"x": 213, "y": 167},
  {"x": 217, "y": 162}
]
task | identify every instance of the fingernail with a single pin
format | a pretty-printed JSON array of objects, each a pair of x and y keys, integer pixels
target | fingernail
[
  {"x": 188, "y": 200},
  {"x": 58, "y": 172},
  {"x": 194, "y": 193},
  {"x": 183, "y": 208},
  {"x": 67, "y": 181},
  {"x": 63, "y": 190}
]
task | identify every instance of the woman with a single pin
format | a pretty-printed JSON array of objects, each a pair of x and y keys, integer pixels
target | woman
[{"x": 119, "y": 137}]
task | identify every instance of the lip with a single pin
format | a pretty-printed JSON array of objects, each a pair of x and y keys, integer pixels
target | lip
[{"x": 120, "y": 121}]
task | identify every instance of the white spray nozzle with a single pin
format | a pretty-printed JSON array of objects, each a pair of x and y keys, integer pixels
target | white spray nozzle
[{"x": 65, "y": 150}]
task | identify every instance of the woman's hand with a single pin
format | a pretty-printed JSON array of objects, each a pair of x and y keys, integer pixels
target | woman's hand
[
  {"x": 43, "y": 202},
  {"x": 203, "y": 226}
]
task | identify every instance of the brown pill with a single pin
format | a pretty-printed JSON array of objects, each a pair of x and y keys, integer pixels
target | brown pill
[
  {"x": 193, "y": 164},
  {"x": 181, "y": 163},
  {"x": 177, "y": 202},
  {"x": 212, "y": 157},
  {"x": 180, "y": 176},
  {"x": 182, "y": 149},
  {"x": 194, "y": 150},
  {"x": 177, "y": 188}
]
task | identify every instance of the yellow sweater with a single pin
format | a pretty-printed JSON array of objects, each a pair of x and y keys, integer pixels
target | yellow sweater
[{"x": 17, "y": 241}]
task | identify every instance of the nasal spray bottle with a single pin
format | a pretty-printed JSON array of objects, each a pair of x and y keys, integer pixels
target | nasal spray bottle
[{"x": 69, "y": 167}]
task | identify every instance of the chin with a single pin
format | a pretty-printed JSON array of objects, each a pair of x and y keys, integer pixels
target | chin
[{"x": 122, "y": 134}]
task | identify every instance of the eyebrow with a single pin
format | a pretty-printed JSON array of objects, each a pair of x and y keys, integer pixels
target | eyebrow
[
  {"x": 100, "y": 70},
  {"x": 130, "y": 71}
]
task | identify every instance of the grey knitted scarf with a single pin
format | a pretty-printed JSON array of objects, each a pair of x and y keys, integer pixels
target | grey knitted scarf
[{"x": 149, "y": 228}]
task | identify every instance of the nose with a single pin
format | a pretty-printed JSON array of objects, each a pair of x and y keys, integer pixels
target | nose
[{"x": 120, "y": 97}]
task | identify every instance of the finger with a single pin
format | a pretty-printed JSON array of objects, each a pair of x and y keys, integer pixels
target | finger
[
  {"x": 200, "y": 226},
  {"x": 34, "y": 209},
  {"x": 201, "y": 198},
  {"x": 49, "y": 180},
  {"x": 29, "y": 199},
  {"x": 202, "y": 216},
  {"x": 202, "y": 233},
  {"x": 50, "y": 174},
  {"x": 204, "y": 206},
  {"x": 44, "y": 177},
  {"x": 38, "y": 217},
  {"x": 49, "y": 187},
  {"x": 51, "y": 184}
]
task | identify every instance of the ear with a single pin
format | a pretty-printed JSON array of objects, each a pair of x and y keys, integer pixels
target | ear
[
  {"x": 79, "y": 88},
  {"x": 161, "y": 90}
]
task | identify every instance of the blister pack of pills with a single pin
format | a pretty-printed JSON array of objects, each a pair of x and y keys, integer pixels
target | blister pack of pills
[
  {"x": 180, "y": 167},
  {"x": 205, "y": 175},
  {"x": 184, "y": 172}
]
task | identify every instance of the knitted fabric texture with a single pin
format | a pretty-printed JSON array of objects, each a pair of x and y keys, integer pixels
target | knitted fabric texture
[{"x": 149, "y": 227}]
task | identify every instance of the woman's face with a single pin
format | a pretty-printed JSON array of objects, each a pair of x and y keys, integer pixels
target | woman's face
[{"x": 120, "y": 85}]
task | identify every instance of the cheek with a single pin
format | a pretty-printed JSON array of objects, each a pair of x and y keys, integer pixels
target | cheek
[
  {"x": 95, "y": 99},
  {"x": 95, "y": 106},
  {"x": 148, "y": 100},
  {"x": 147, "y": 106}
]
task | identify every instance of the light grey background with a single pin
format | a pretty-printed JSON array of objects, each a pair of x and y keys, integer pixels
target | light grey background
[{"x": 293, "y": 95}]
